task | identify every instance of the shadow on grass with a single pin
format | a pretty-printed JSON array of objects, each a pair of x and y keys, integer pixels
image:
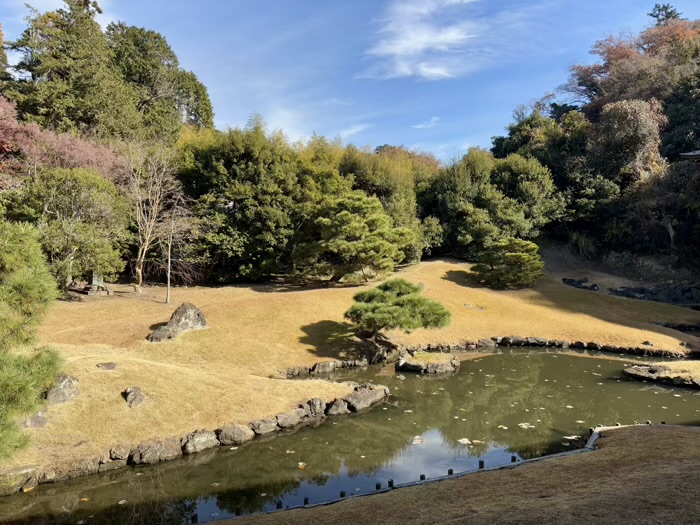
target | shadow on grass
[
  {"x": 462, "y": 278},
  {"x": 332, "y": 339}
]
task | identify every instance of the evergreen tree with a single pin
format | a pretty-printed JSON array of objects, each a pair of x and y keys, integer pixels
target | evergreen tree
[
  {"x": 510, "y": 263},
  {"x": 354, "y": 236},
  {"x": 663, "y": 13},
  {"x": 26, "y": 291},
  {"x": 396, "y": 304},
  {"x": 67, "y": 77}
]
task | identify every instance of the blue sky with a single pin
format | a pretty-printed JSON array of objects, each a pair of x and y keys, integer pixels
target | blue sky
[{"x": 436, "y": 75}]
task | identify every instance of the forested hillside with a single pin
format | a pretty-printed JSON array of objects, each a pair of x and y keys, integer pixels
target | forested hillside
[{"x": 107, "y": 147}]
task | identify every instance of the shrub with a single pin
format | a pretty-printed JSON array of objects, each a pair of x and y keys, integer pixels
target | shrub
[
  {"x": 510, "y": 263},
  {"x": 396, "y": 304}
]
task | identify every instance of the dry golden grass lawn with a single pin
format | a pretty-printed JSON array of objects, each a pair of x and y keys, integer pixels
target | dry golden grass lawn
[
  {"x": 640, "y": 475},
  {"x": 685, "y": 369},
  {"x": 230, "y": 372}
]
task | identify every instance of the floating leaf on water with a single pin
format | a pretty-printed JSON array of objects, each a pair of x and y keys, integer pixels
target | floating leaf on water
[
  {"x": 363, "y": 457},
  {"x": 290, "y": 451},
  {"x": 233, "y": 448},
  {"x": 83, "y": 500},
  {"x": 408, "y": 411},
  {"x": 503, "y": 427},
  {"x": 215, "y": 484},
  {"x": 418, "y": 440},
  {"x": 477, "y": 442},
  {"x": 121, "y": 502},
  {"x": 464, "y": 441},
  {"x": 568, "y": 406},
  {"x": 302, "y": 465},
  {"x": 571, "y": 437},
  {"x": 579, "y": 422},
  {"x": 263, "y": 494}
]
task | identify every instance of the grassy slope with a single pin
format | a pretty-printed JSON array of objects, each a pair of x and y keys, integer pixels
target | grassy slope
[
  {"x": 227, "y": 373},
  {"x": 643, "y": 475}
]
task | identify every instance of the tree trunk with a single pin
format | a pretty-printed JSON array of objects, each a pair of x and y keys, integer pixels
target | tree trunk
[
  {"x": 139, "y": 276},
  {"x": 167, "y": 277}
]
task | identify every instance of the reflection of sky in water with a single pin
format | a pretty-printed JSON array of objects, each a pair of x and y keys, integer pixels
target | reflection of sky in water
[{"x": 559, "y": 396}]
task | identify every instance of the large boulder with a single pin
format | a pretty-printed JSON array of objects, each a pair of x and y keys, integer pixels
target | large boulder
[
  {"x": 234, "y": 435},
  {"x": 187, "y": 317},
  {"x": 198, "y": 441},
  {"x": 65, "y": 388},
  {"x": 156, "y": 451},
  {"x": 365, "y": 396}
]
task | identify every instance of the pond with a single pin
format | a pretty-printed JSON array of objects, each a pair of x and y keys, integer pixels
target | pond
[{"x": 516, "y": 403}]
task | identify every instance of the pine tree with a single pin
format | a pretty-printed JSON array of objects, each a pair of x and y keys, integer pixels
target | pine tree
[
  {"x": 510, "y": 263},
  {"x": 396, "y": 304}
]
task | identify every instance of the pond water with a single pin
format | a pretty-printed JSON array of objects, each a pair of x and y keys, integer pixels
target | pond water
[{"x": 517, "y": 403}]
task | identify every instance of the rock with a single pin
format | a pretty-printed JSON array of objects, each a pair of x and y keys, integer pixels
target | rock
[
  {"x": 314, "y": 408},
  {"x": 111, "y": 465},
  {"x": 38, "y": 420},
  {"x": 486, "y": 343},
  {"x": 323, "y": 367},
  {"x": 365, "y": 396},
  {"x": 107, "y": 366},
  {"x": 118, "y": 452},
  {"x": 264, "y": 426},
  {"x": 337, "y": 408},
  {"x": 65, "y": 389},
  {"x": 290, "y": 419},
  {"x": 648, "y": 343},
  {"x": 297, "y": 371},
  {"x": 198, "y": 441},
  {"x": 187, "y": 317},
  {"x": 594, "y": 346},
  {"x": 71, "y": 469},
  {"x": 156, "y": 451},
  {"x": 234, "y": 435},
  {"x": 428, "y": 363},
  {"x": 12, "y": 481},
  {"x": 134, "y": 396}
]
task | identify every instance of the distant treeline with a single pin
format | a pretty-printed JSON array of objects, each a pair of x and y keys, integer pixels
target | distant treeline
[{"x": 107, "y": 146}]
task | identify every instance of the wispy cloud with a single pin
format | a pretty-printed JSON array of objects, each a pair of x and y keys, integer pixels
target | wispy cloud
[
  {"x": 431, "y": 123},
  {"x": 442, "y": 39},
  {"x": 353, "y": 130},
  {"x": 333, "y": 101}
]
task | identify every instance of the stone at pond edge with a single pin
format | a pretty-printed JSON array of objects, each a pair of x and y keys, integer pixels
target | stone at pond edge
[
  {"x": 365, "y": 396},
  {"x": 314, "y": 408},
  {"x": 120, "y": 451},
  {"x": 134, "y": 396},
  {"x": 12, "y": 481},
  {"x": 264, "y": 426},
  {"x": 337, "y": 408},
  {"x": 185, "y": 318},
  {"x": 198, "y": 441},
  {"x": 290, "y": 419},
  {"x": 114, "y": 464},
  {"x": 234, "y": 435},
  {"x": 155, "y": 451},
  {"x": 450, "y": 363},
  {"x": 65, "y": 389}
]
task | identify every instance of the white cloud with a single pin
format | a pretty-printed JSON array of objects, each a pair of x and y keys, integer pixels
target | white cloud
[
  {"x": 333, "y": 101},
  {"x": 434, "y": 121},
  {"x": 442, "y": 39}
]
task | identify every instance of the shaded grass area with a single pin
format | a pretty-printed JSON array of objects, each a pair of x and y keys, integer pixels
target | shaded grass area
[{"x": 641, "y": 475}]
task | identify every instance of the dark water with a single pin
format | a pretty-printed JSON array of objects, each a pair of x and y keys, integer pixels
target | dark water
[{"x": 491, "y": 399}]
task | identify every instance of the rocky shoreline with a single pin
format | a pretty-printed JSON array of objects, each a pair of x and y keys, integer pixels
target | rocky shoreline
[
  {"x": 660, "y": 374},
  {"x": 310, "y": 413}
]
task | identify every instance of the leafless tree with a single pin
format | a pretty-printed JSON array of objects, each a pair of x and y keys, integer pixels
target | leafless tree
[{"x": 152, "y": 190}]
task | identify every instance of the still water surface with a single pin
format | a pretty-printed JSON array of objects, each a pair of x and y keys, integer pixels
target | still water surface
[{"x": 522, "y": 403}]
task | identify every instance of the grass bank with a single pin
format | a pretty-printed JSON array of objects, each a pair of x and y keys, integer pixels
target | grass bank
[
  {"x": 641, "y": 475},
  {"x": 230, "y": 373}
]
